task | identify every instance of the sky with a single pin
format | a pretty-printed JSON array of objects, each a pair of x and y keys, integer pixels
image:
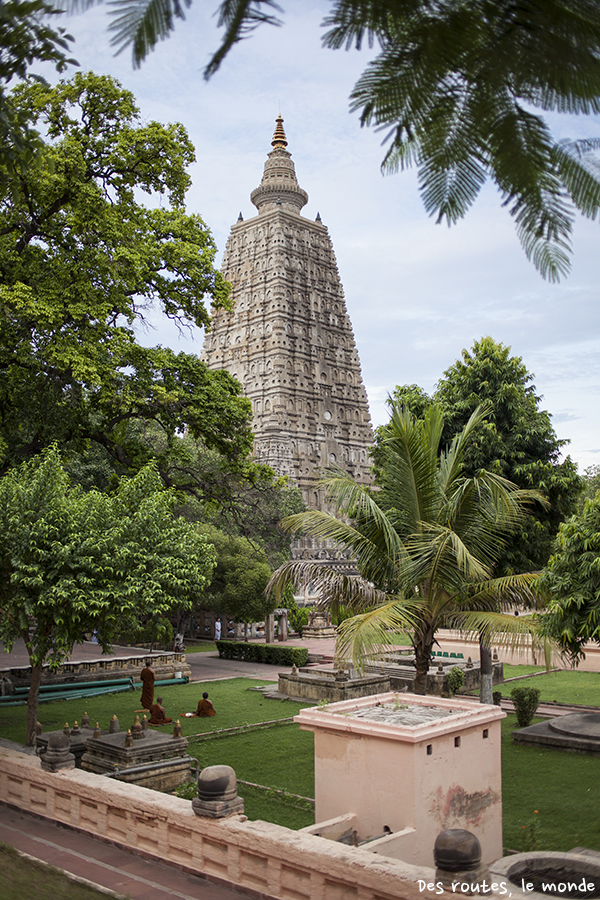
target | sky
[{"x": 417, "y": 293}]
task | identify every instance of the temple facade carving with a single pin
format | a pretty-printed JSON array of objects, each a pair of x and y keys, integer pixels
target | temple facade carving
[{"x": 289, "y": 339}]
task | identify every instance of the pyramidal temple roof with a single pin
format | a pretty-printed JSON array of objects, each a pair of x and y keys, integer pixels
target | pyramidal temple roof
[{"x": 279, "y": 185}]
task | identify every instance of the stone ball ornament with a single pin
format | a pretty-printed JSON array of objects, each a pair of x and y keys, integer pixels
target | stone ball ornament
[
  {"x": 217, "y": 793},
  {"x": 457, "y": 856},
  {"x": 457, "y": 849}
]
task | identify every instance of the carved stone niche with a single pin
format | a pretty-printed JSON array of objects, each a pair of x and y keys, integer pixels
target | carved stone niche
[{"x": 217, "y": 793}]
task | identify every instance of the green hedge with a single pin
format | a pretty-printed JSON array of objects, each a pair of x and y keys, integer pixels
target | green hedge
[{"x": 274, "y": 654}]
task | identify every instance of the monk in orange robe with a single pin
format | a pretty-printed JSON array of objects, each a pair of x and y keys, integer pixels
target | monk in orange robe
[
  {"x": 205, "y": 707},
  {"x": 157, "y": 714},
  {"x": 147, "y": 677}
]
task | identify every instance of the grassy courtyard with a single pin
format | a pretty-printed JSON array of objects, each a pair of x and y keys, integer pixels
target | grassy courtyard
[
  {"x": 566, "y": 686},
  {"x": 549, "y": 797},
  {"x": 234, "y": 699}
]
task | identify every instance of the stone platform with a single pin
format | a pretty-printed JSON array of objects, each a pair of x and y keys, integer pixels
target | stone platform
[
  {"x": 312, "y": 686},
  {"x": 163, "y": 756},
  {"x": 577, "y": 733},
  {"x": 399, "y": 667},
  {"x": 77, "y": 741}
]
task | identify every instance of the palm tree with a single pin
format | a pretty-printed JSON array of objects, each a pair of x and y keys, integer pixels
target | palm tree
[{"x": 425, "y": 540}]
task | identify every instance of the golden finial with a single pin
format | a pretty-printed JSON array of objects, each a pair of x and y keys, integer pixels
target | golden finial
[{"x": 279, "y": 138}]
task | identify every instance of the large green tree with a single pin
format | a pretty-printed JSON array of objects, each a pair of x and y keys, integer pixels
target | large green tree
[
  {"x": 426, "y": 542},
  {"x": 591, "y": 484},
  {"x": 516, "y": 440},
  {"x": 240, "y": 578},
  {"x": 572, "y": 582},
  {"x": 82, "y": 260},
  {"x": 73, "y": 561},
  {"x": 26, "y": 37},
  {"x": 243, "y": 500},
  {"x": 461, "y": 88}
]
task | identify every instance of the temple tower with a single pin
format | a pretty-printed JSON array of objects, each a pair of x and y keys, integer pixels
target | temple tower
[{"x": 289, "y": 340}]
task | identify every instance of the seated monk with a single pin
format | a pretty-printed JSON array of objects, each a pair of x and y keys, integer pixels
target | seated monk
[
  {"x": 205, "y": 707},
  {"x": 157, "y": 714}
]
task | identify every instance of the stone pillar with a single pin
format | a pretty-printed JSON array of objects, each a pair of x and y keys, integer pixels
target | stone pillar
[
  {"x": 270, "y": 629},
  {"x": 282, "y": 624}
]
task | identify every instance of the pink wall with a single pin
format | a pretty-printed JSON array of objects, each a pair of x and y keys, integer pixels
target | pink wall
[{"x": 385, "y": 775}]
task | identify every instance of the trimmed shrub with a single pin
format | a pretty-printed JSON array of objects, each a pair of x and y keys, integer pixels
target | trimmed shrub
[
  {"x": 456, "y": 679},
  {"x": 526, "y": 700},
  {"x": 273, "y": 654},
  {"x": 497, "y": 698}
]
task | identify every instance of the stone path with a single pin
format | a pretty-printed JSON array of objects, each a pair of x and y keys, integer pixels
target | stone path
[{"x": 103, "y": 865}]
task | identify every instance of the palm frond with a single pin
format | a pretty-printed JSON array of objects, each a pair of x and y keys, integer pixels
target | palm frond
[
  {"x": 72, "y": 7},
  {"x": 375, "y": 552},
  {"x": 142, "y": 23},
  {"x": 579, "y": 174},
  {"x": 451, "y": 461},
  {"x": 334, "y": 587},
  {"x": 494, "y": 628},
  {"x": 240, "y": 18},
  {"x": 408, "y": 480},
  {"x": 373, "y": 631},
  {"x": 505, "y": 591}
]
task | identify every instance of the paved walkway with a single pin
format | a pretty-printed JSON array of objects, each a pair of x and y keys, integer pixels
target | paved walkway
[
  {"x": 85, "y": 652},
  {"x": 103, "y": 865}
]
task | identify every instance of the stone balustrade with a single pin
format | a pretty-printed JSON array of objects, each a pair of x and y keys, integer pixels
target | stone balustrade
[{"x": 259, "y": 857}]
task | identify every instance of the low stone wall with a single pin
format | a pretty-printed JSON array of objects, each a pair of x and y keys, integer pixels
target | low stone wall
[
  {"x": 167, "y": 665},
  {"x": 271, "y": 861},
  {"x": 326, "y": 687}
]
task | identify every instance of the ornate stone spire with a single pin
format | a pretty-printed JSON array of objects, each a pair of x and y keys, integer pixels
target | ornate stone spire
[
  {"x": 289, "y": 339},
  {"x": 279, "y": 185}
]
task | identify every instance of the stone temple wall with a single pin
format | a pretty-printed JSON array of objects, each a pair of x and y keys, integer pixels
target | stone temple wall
[{"x": 289, "y": 339}]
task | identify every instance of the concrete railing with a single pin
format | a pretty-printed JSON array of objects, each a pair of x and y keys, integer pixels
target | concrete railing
[{"x": 258, "y": 857}]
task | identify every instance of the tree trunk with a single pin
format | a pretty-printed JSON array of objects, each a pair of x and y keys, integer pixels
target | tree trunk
[
  {"x": 422, "y": 656},
  {"x": 486, "y": 670},
  {"x": 32, "y": 704}
]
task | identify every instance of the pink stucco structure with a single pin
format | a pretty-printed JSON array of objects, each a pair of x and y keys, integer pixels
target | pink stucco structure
[{"x": 404, "y": 783}]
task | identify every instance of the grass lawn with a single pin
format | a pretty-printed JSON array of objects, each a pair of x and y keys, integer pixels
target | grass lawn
[
  {"x": 562, "y": 787},
  {"x": 21, "y": 877},
  {"x": 280, "y": 757},
  {"x": 566, "y": 686},
  {"x": 200, "y": 647},
  {"x": 234, "y": 700},
  {"x": 516, "y": 671}
]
